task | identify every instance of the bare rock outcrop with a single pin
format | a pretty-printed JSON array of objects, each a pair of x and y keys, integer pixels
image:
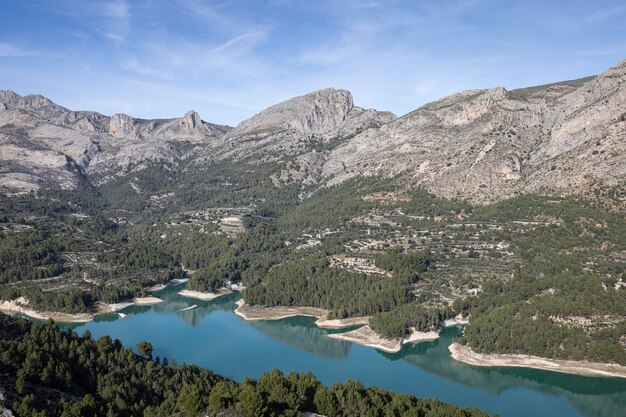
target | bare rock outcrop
[
  {"x": 297, "y": 126},
  {"x": 191, "y": 120},
  {"x": 317, "y": 112},
  {"x": 486, "y": 145},
  {"x": 121, "y": 125},
  {"x": 480, "y": 145},
  {"x": 46, "y": 145},
  {"x": 190, "y": 128}
]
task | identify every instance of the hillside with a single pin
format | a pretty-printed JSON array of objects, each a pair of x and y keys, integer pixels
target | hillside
[
  {"x": 486, "y": 145},
  {"x": 499, "y": 206},
  {"x": 477, "y": 145}
]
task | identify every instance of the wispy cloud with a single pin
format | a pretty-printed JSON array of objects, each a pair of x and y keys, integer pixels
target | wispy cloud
[
  {"x": 116, "y": 9},
  {"x": 114, "y": 20},
  {"x": 8, "y": 50},
  {"x": 215, "y": 15},
  {"x": 230, "y": 58},
  {"x": 111, "y": 19},
  {"x": 176, "y": 58}
]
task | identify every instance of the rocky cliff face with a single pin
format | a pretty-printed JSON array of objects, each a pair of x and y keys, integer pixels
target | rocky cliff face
[
  {"x": 45, "y": 145},
  {"x": 480, "y": 145},
  {"x": 485, "y": 145},
  {"x": 297, "y": 125},
  {"x": 317, "y": 112},
  {"x": 189, "y": 128},
  {"x": 297, "y": 135}
]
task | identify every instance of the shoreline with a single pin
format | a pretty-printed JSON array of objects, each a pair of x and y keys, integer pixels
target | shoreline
[
  {"x": 21, "y": 306},
  {"x": 456, "y": 321},
  {"x": 14, "y": 306},
  {"x": 172, "y": 282},
  {"x": 205, "y": 296},
  {"x": 367, "y": 337},
  {"x": 364, "y": 335},
  {"x": 342, "y": 323},
  {"x": 251, "y": 313},
  {"x": 466, "y": 355}
]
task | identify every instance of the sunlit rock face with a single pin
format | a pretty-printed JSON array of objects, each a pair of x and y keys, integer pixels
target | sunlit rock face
[{"x": 480, "y": 145}]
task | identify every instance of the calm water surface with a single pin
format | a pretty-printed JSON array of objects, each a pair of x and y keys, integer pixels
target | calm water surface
[{"x": 212, "y": 336}]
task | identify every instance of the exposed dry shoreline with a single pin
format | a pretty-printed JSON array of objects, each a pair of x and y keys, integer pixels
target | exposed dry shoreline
[
  {"x": 175, "y": 281},
  {"x": 205, "y": 296},
  {"x": 363, "y": 335},
  {"x": 456, "y": 321},
  {"x": 15, "y": 307},
  {"x": 367, "y": 337},
  {"x": 277, "y": 313},
  {"x": 466, "y": 355},
  {"x": 341, "y": 323},
  {"x": 21, "y": 306}
]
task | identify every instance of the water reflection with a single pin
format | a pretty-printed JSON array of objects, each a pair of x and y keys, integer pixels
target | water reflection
[
  {"x": 190, "y": 310},
  {"x": 421, "y": 369},
  {"x": 297, "y": 332},
  {"x": 601, "y": 397},
  {"x": 301, "y": 333}
]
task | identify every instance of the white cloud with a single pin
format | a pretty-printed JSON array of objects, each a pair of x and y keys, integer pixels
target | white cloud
[
  {"x": 116, "y": 9},
  {"x": 9, "y": 50},
  {"x": 115, "y": 23},
  {"x": 109, "y": 18}
]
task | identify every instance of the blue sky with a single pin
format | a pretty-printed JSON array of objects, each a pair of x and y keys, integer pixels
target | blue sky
[{"x": 230, "y": 59}]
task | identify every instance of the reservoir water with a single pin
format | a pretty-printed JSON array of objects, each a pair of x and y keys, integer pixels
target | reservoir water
[{"x": 212, "y": 336}]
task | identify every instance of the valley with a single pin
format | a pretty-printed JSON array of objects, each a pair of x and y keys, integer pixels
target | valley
[{"x": 502, "y": 210}]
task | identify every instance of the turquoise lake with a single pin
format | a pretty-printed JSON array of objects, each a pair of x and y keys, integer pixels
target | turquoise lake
[{"x": 212, "y": 336}]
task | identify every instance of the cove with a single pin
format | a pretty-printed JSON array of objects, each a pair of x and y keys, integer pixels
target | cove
[{"x": 212, "y": 336}]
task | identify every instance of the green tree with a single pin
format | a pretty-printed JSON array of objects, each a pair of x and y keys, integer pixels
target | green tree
[
  {"x": 250, "y": 401},
  {"x": 189, "y": 401},
  {"x": 145, "y": 349},
  {"x": 223, "y": 396}
]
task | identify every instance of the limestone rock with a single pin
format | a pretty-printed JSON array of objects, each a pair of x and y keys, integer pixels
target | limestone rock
[
  {"x": 486, "y": 145},
  {"x": 192, "y": 120},
  {"x": 121, "y": 125},
  {"x": 46, "y": 145},
  {"x": 481, "y": 145},
  {"x": 317, "y": 112}
]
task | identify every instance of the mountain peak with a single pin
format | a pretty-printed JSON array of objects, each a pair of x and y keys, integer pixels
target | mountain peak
[
  {"x": 9, "y": 97},
  {"x": 192, "y": 120},
  {"x": 29, "y": 102},
  {"x": 34, "y": 101},
  {"x": 316, "y": 112},
  {"x": 121, "y": 125}
]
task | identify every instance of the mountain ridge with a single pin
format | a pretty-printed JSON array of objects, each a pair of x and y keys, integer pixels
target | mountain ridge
[{"x": 478, "y": 145}]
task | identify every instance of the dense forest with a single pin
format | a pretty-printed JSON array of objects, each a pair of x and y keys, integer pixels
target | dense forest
[
  {"x": 311, "y": 282},
  {"x": 506, "y": 318},
  {"x": 59, "y": 373},
  {"x": 546, "y": 264},
  {"x": 402, "y": 320},
  {"x": 566, "y": 290}
]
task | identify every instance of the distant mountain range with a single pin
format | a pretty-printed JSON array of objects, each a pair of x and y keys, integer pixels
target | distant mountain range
[{"x": 479, "y": 145}]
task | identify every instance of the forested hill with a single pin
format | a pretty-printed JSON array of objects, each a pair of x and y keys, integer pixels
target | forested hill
[
  {"x": 515, "y": 216},
  {"x": 46, "y": 372}
]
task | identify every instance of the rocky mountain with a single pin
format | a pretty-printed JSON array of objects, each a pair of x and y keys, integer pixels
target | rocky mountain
[
  {"x": 46, "y": 145},
  {"x": 298, "y": 125},
  {"x": 485, "y": 145},
  {"x": 480, "y": 145},
  {"x": 297, "y": 134}
]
